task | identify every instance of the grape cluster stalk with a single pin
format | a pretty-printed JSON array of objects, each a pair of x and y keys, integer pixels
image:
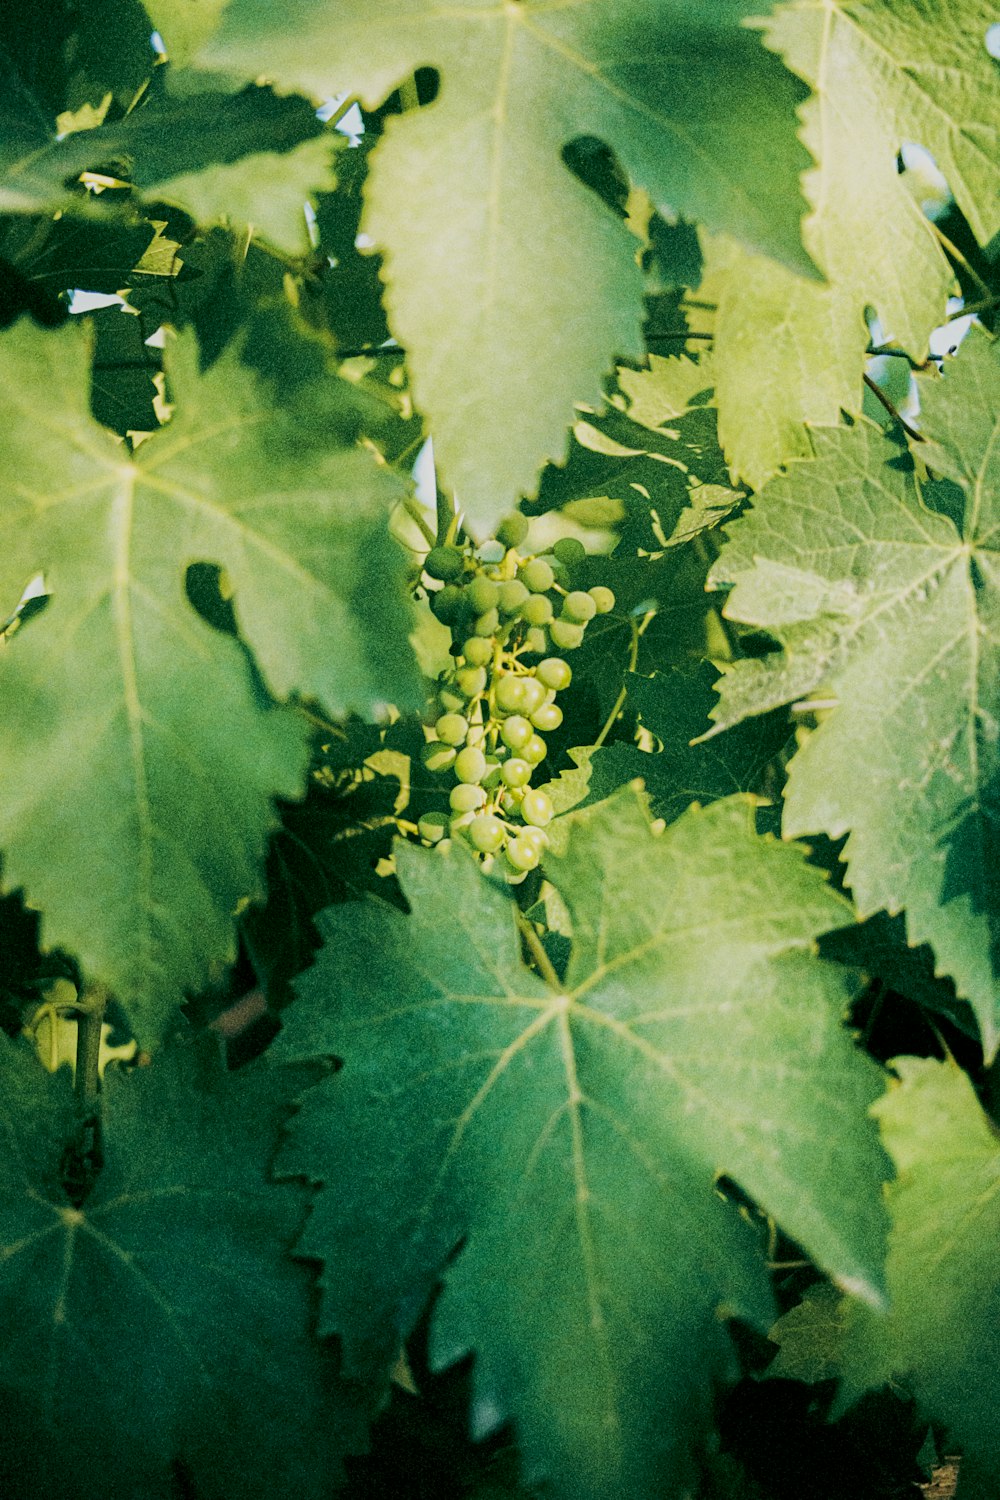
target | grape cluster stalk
[{"x": 492, "y": 707}]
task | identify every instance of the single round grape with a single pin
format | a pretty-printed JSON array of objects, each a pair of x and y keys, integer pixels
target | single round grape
[
  {"x": 537, "y": 610},
  {"x": 470, "y": 764},
  {"x": 536, "y": 808},
  {"x": 569, "y": 550},
  {"x": 535, "y": 750},
  {"x": 512, "y": 595},
  {"x": 536, "y": 837},
  {"x": 471, "y": 681},
  {"x": 432, "y": 827},
  {"x": 437, "y": 757},
  {"x": 511, "y": 696},
  {"x": 487, "y": 624},
  {"x": 487, "y": 833},
  {"x": 448, "y": 604},
  {"x": 603, "y": 598},
  {"x": 513, "y": 529},
  {"x": 579, "y": 607},
  {"x": 536, "y": 575},
  {"x": 483, "y": 594},
  {"x": 516, "y": 732},
  {"x": 532, "y": 696},
  {"x": 510, "y": 798},
  {"x": 515, "y": 772},
  {"x": 449, "y": 701},
  {"x": 522, "y": 854},
  {"x": 534, "y": 641},
  {"x": 452, "y": 729},
  {"x": 566, "y": 635},
  {"x": 491, "y": 551},
  {"x": 466, "y": 797},
  {"x": 444, "y": 846},
  {"x": 554, "y": 673},
  {"x": 477, "y": 651},
  {"x": 445, "y": 563},
  {"x": 547, "y": 716}
]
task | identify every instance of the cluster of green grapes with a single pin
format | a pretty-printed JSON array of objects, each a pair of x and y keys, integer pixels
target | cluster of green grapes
[{"x": 492, "y": 707}]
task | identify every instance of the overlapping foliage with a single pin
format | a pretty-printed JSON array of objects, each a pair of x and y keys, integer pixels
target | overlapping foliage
[{"x": 631, "y": 1059}]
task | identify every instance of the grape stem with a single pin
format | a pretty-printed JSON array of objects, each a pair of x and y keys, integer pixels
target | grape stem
[
  {"x": 536, "y": 950},
  {"x": 633, "y": 658},
  {"x": 90, "y": 1019}
]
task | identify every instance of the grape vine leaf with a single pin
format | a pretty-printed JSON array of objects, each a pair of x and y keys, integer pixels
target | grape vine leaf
[
  {"x": 157, "y": 146},
  {"x": 674, "y": 705},
  {"x": 810, "y": 1337},
  {"x": 695, "y": 107},
  {"x": 887, "y": 589},
  {"x": 884, "y": 73},
  {"x": 133, "y": 738},
  {"x": 570, "y": 1137},
  {"x": 163, "y": 1320},
  {"x": 658, "y": 459},
  {"x": 942, "y": 1333}
]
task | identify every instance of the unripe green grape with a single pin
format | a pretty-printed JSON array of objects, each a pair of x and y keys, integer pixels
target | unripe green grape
[
  {"x": 515, "y": 772},
  {"x": 535, "y": 751},
  {"x": 532, "y": 695},
  {"x": 603, "y": 598},
  {"x": 466, "y": 797},
  {"x": 512, "y": 595},
  {"x": 483, "y": 594},
  {"x": 522, "y": 854},
  {"x": 547, "y": 716},
  {"x": 536, "y": 610},
  {"x": 511, "y": 695},
  {"x": 569, "y": 550},
  {"x": 536, "y": 808},
  {"x": 513, "y": 529},
  {"x": 477, "y": 651},
  {"x": 555, "y": 673},
  {"x": 566, "y": 635},
  {"x": 492, "y": 777},
  {"x": 437, "y": 757},
  {"x": 536, "y": 575},
  {"x": 579, "y": 607},
  {"x": 487, "y": 624},
  {"x": 449, "y": 702},
  {"x": 510, "y": 798},
  {"x": 432, "y": 827},
  {"x": 452, "y": 729},
  {"x": 534, "y": 642},
  {"x": 470, "y": 681},
  {"x": 470, "y": 764},
  {"x": 448, "y": 604},
  {"x": 444, "y": 846},
  {"x": 491, "y": 551},
  {"x": 516, "y": 732},
  {"x": 536, "y": 837},
  {"x": 487, "y": 833},
  {"x": 445, "y": 563}
]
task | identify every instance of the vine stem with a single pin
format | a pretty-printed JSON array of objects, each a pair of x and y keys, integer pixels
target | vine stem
[
  {"x": 413, "y": 509},
  {"x": 619, "y": 703},
  {"x": 90, "y": 1020},
  {"x": 877, "y": 391},
  {"x": 956, "y": 254},
  {"x": 536, "y": 948}
]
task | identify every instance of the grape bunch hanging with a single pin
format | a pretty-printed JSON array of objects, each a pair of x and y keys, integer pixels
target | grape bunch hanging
[{"x": 509, "y": 614}]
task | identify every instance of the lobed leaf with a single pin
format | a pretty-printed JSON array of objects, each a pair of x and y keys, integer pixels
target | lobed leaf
[
  {"x": 140, "y": 756},
  {"x": 887, "y": 589},
  {"x": 542, "y": 290},
  {"x": 569, "y": 1139}
]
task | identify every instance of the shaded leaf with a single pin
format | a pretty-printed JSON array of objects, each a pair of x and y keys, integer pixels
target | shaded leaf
[
  {"x": 942, "y": 1335},
  {"x": 164, "y": 1320}
]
